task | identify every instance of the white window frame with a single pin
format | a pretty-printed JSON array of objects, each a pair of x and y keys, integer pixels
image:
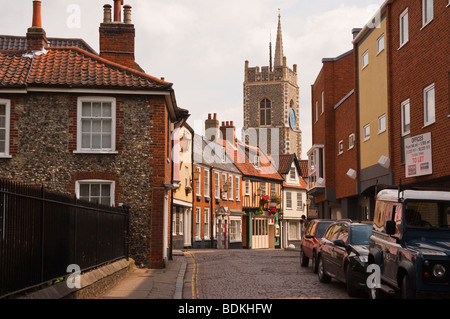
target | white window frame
[
  {"x": 7, "y": 127},
  {"x": 402, "y": 108},
  {"x": 351, "y": 141},
  {"x": 365, "y": 60},
  {"x": 404, "y": 27},
  {"x": 235, "y": 225},
  {"x": 288, "y": 200},
  {"x": 96, "y": 181},
  {"x": 380, "y": 44},
  {"x": 427, "y": 17},
  {"x": 292, "y": 172},
  {"x": 206, "y": 182},
  {"x": 206, "y": 226},
  {"x": 247, "y": 187},
  {"x": 366, "y": 132},
  {"x": 340, "y": 147},
  {"x": 382, "y": 124},
  {"x": 429, "y": 116},
  {"x": 323, "y": 101},
  {"x": 230, "y": 187},
  {"x": 224, "y": 181},
  {"x": 317, "y": 111},
  {"x": 216, "y": 185},
  {"x": 238, "y": 188},
  {"x": 101, "y": 99},
  {"x": 186, "y": 177},
  {"x": 198, "y": 214},
  {"x": 299, "y": 201},
  {"x": 198, "y": 186}
]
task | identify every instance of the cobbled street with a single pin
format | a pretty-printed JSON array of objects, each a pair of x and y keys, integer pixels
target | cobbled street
[{"x": 254, "y": 274}]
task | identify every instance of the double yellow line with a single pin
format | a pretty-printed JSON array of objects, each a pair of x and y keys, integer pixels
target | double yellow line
[{"x": 194, "y": 284}]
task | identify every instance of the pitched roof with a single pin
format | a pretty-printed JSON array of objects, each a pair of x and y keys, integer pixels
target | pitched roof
[
  {"x": 205, "y": 152},
  {"x": 241, "y": 154},
  {"x": 71, "y": 67}
]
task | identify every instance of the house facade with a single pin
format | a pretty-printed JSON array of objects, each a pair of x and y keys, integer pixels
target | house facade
[
  {"x": 261, "y": 196},
  {"x": 293, "y": 200},
  {"x": 218, "y": 214},
  {"x": 181, "y": 218},
  {"x": 91, "y": 126}
]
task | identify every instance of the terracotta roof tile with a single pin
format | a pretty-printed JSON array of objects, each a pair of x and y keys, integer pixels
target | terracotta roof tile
[{"x": 72, "y": 67}]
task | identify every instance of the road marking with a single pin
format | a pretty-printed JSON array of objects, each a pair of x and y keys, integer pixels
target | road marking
[{"x": 194, "y": 284}]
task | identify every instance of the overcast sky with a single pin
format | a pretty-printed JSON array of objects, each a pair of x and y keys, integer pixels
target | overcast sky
[{"x": 201, "y": 45}]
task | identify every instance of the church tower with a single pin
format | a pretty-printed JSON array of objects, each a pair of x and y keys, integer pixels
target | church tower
[{"x": 271, "y": 104}]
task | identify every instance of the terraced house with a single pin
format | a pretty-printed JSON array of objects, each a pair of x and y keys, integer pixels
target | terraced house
[{"x": 92, "y": 125}]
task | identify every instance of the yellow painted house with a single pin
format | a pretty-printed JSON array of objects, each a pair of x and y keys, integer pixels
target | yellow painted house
[
  {"x": 371, "y": 53},
  {"x": 181, "y": 226}
]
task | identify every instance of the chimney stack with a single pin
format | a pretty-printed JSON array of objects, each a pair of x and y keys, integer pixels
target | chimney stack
[
  {"x": 117, "y": 38},
  {"x": 228, "y": 132},
  {"x": 36, "y": 36},
  {"x": 212, "y": 128}
]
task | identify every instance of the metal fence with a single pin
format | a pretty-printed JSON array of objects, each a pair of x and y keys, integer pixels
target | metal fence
[{"x": 42, "y": 233}]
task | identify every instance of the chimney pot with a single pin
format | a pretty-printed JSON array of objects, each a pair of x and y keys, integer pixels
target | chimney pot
[
  {"x": 127, "y": 14},
  {"x": 231, "y": 123},
  {"x": 215, "y": 116},
  {"x": 37, "y": 22},
  {"x": 209, "y": 116},
  {"x": 107, "y": 13},
  {"x": 223, "y": 123}
]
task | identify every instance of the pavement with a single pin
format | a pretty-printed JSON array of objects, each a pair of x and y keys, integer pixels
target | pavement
[{"x": 144, "y": 283}]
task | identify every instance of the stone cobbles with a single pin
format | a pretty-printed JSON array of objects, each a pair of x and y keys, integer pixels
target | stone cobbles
[{"x": 254, "y": 274}]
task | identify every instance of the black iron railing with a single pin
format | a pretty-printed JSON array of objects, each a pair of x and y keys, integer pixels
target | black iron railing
[{"x": 42, "y": 233}]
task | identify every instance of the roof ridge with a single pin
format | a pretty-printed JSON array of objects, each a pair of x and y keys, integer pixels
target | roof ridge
[{"x": 110, "y": 63}]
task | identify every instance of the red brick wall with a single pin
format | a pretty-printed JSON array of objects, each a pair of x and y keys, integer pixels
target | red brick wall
[
  {"x": 336, "y": 80},
  {"x": 420, "y": 62},
  {"x": 346, "y": 124},
  {"x": 117, "y": 43}
]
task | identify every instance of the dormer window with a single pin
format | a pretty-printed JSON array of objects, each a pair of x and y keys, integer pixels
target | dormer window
[{"x": 256, "y": 161}]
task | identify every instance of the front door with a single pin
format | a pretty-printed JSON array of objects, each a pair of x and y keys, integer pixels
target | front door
[{"x": 260, "y": 233}]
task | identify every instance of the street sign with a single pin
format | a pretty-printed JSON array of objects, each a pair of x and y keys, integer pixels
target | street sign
[{"x": 418, "y": 161}]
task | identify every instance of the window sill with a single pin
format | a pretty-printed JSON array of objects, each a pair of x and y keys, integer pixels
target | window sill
[
  {"x": 425, "y": 25},
  {"x": 97, "y": 152},
  {"x": 5, "y": 156},
  {"x": 402, "y": 45}
]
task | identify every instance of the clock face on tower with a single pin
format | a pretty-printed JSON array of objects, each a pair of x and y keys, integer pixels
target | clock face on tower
[{"x": 292, "y": 119}]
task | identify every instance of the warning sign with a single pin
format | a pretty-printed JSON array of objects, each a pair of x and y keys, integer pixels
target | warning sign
[{"x": 418, "y": 155}]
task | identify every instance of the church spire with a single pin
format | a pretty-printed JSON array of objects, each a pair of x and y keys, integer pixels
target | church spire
[{"x": 278, "y": 61}]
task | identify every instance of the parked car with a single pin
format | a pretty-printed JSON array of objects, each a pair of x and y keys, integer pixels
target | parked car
[
  {"x": 343, "y": 255},
  {"x": 310, "y": 241},
  {"x": 411, "y": 243}
]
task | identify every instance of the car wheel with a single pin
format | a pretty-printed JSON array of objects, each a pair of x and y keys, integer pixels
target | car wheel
[
  {"x": 314, "y": 264},
  {"x": 304, "y": 261},
  {"x": 352, "y": 291},
  {"x": 323, "y": 277},
  {"x": 407, "y": 289}
]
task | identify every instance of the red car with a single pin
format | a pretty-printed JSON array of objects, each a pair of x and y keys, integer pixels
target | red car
[{"x": 310, "y": 241}]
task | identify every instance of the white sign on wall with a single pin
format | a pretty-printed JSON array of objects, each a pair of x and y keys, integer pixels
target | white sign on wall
[{"x": 418, "y": 160}]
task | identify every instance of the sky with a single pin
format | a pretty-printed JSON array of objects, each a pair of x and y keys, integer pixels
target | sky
[{"x": 201, "y": 45}]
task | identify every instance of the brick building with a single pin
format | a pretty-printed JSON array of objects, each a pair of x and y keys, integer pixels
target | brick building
[
  {"x": 217, "y": 207},
  {"x": 91, "y": 125},
  {"x": 333, "y": 157},
  {"x": 397, "y": 105},
  {"x": 418, "y": 70}
]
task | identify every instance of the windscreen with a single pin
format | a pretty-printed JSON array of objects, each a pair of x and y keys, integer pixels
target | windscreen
[
  {"x": 321, "y": 228},
  {"x": 360, "y": 234},
  {"x": 427, "y": 214}
]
